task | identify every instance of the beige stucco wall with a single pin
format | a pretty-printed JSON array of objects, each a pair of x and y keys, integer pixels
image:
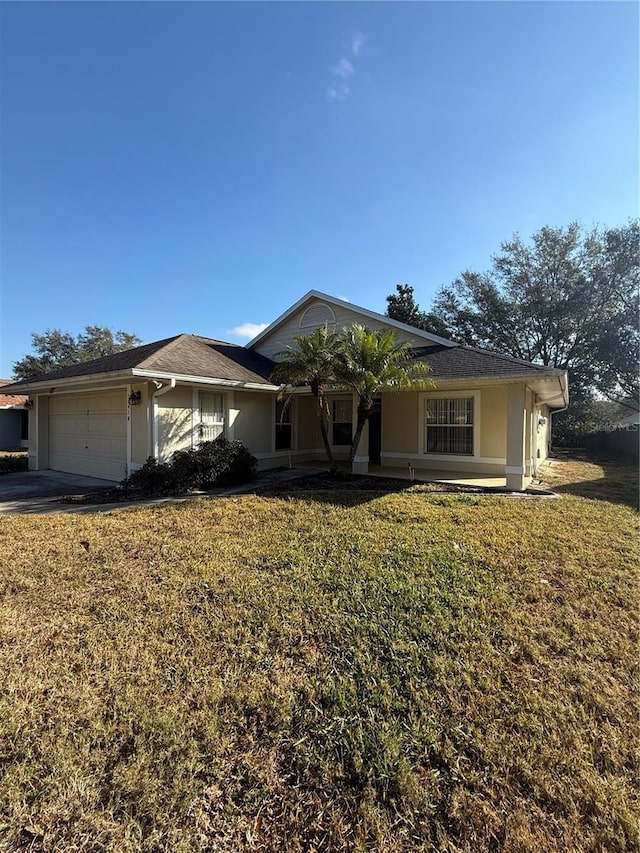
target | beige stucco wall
[
  {"x": 493, "y": 422},
  {"x": 284, "y": 335},
  {"x": 308, "y": 433},
  {"x": 253, "y": 420},
  {"x": 400, "y": 422},
  {"x": 175, "y": 423},
  {"x": 403, "y": 425}
]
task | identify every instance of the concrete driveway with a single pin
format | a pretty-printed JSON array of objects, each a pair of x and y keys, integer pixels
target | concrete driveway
[{"x": 39, "y": 491}]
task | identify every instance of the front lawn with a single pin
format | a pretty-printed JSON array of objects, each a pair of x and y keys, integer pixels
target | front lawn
[{"x": 322, "y": 672}]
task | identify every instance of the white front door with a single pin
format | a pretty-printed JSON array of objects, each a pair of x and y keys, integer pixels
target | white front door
[{"x": 211, "y": 416}]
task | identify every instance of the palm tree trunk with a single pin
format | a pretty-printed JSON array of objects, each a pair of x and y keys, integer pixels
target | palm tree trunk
[
  {"x": 364, "y": 413},
  {"x": 325, "y": 440},
  {"x": 322, "y": 420}
]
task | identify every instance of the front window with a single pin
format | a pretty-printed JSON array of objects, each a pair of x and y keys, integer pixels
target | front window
[
  {"x": 283, "y": 425},
  {"x": 342, "y": 422},
  {"x": 211, "y": 416},
  {"x": 449, "y": 425}
]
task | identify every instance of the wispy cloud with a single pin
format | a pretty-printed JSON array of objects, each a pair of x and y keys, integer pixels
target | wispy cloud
[
  {"x": 357, "y": 42},
  {"x": 343, "y": 69},
  {"x": 342, "y": 72},
  {"x": 246, "y": 331}
]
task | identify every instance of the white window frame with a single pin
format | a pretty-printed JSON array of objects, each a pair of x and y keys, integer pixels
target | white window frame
[
  {"x": 291, "y": 410},
  {"x": 222, "y": 423},
  {"x": 349, "y": 402},
  {"x": 422, "y": 417}
]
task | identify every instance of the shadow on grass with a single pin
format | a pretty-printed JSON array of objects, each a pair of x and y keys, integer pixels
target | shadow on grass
[
  {"x": 339, "y": 489},
  {"x": 596, "y": 476},
  {"x": 346, "y": 489}
]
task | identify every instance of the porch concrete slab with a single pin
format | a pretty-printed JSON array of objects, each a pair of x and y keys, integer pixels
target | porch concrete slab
[
  {"x": 433, "y": 475},
  {"x": 430, "y": 475}
]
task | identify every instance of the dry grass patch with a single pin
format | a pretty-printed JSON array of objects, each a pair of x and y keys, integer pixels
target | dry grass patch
[{"x": 413, "y": 672}]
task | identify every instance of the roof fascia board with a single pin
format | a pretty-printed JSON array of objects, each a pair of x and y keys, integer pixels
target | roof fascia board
[
  {"x": 497, "y": 379},
  {"x": 205, "y": 380},
  {"x": 87, "y": 378},
  {"x": 340, "y": 303}
]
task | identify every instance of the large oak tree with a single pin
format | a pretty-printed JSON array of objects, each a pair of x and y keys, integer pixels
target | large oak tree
[
  {"x": 54, "y": 349},
  {"x": 567, "y": 298}
]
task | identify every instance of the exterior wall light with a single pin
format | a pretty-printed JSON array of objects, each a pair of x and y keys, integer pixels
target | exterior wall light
[
  {"x": 134, "y": 398},
  {"x": 29, "y": 404}
]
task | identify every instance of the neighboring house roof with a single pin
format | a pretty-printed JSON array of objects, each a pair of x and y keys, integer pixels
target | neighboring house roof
[
  {"x": 11, "y": 401},
  {"x": 341, "y": 303},
  {"x": 183, "y": 355}
]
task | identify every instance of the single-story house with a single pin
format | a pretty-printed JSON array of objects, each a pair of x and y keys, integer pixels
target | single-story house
[
  {"x": 14, "y": 422},
  {"x": 489, "y": 415}
]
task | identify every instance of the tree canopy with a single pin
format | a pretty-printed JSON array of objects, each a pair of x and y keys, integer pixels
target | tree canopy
[
  {"x": 368, "y": 362},
  {"x": 567, "y": 298},
  {"x": 403, "y": 307},
  {"x": 54, "y": 349}
]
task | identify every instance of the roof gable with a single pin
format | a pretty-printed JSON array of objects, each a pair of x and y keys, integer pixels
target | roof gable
[{"x": 316, "y": 309}]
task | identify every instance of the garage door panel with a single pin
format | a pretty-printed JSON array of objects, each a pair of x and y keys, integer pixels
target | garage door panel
[{"x": 88, "y": 434}]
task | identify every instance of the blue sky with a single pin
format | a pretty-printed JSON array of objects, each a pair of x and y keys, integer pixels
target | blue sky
[{"x": 194, "y": 167}]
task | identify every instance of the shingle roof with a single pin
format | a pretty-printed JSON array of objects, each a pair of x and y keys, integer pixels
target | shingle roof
[
  {"x": 188, "y": 355},
  {"x": 193, "y": 355},
  {"x": 461, "y": 362}
]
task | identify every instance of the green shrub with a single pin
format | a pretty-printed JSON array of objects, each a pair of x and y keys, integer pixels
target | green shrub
[
  {"x": 212, "y": 463},
  {"x": 153, "y": 478}
]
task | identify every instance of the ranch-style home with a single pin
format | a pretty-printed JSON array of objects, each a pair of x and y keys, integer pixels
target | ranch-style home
[{"x": 487, "y": 416}]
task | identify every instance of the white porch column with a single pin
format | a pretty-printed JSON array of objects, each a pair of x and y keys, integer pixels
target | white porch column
[
  {"x": 516, "y": 436},
  {"x": 360, "y": 463}
]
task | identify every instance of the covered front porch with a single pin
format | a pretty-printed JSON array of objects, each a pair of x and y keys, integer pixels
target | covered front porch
[
  {"x": 423, "y": 475},
  {"x": 434, "y": 475}
]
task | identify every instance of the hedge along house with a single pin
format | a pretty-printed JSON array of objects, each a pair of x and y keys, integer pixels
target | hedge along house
[{"x": 488, "y": 415}]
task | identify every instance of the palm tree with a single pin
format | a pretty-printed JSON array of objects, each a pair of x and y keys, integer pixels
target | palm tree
[
  {"x": 311, "y": 362},
  {"x": 368, "y": 362}
]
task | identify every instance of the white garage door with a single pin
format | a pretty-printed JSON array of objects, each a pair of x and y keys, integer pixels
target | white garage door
[{"x": 88, "y": 434}]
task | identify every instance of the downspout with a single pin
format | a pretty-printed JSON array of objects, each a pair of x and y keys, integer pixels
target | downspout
[{"x": 160, "y": 390}]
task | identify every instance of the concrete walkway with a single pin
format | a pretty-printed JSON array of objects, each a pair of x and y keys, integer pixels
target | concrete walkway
[{"x": 40, "y": 492}]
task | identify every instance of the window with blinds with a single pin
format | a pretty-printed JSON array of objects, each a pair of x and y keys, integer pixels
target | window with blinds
[
  {"x": 211, "y": 416},
  {"x": 449, "y": 425}
]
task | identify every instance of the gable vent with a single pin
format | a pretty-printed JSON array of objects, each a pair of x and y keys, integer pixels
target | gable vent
[{"x": 317, "y": 315}]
